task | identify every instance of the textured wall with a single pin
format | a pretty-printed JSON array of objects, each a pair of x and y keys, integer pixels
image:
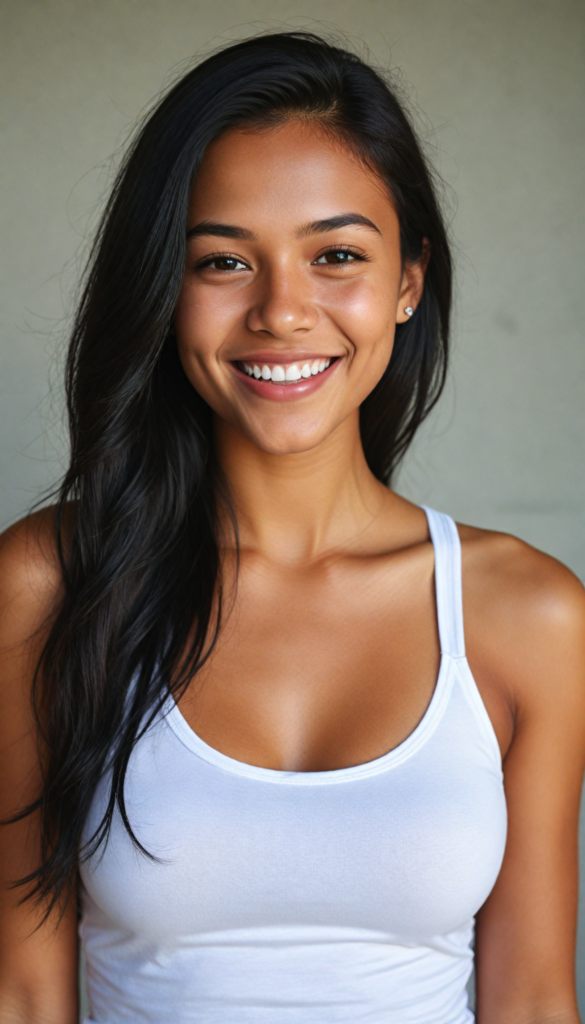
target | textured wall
[{"x": 501, "y": 84}]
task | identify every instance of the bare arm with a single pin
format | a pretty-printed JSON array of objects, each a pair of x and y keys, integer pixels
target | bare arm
[
  {"x": 532, "y": 650},
  {"x": 38, "y": 965}
]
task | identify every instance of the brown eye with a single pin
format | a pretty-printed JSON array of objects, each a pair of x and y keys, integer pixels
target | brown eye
[
  {"x": 336, "y": 256},
  {"x": 222, "y": 263}
]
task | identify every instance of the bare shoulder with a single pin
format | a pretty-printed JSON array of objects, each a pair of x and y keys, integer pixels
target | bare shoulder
[
  {"x": 524, "y": 617},
  {"x": 507, "y": 563},
  {"x": 27, "y": 547},
  {"x": 518, "y": 582},
  {"x": 31, "y": 582},
  {"x": 30, "y": 574}
]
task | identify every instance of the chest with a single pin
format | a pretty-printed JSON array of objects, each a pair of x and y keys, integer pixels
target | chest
[
  {"x": 410, "y": 847},
  {"x": 322, "y": 669}
]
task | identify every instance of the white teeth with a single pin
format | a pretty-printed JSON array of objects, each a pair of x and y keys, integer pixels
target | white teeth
[{"x": 290, "y": 374}]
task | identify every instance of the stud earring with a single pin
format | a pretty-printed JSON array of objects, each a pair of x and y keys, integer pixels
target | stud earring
[{"x": 408, "y": 310}]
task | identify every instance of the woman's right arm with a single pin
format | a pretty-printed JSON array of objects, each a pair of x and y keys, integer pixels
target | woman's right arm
[{"x": 38, "y": 961}]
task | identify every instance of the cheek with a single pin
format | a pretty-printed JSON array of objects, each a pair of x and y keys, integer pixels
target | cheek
[
  {"x": 204, "y": 318},
  {"x": 199, "y": 331},
  {"x": 365, "y": 312}
]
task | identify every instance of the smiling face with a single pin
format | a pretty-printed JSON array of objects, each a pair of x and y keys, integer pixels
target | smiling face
[{"x": 293, "y": 285}]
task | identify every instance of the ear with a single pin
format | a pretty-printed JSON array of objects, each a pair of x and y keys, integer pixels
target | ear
[{"x": 412, "y": 284}]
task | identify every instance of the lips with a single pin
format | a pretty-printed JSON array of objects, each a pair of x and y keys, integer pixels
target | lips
[{"x": 285, "y": 380}]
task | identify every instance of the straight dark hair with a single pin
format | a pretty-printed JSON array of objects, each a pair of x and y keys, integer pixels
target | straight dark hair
[{"x": 141, "y": 607}]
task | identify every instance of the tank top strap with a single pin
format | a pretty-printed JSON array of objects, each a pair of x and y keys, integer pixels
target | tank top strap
[{"x": 447, "y": 545}]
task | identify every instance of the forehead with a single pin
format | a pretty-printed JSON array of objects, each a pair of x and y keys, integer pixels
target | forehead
[{"x": 291, "y": 174}]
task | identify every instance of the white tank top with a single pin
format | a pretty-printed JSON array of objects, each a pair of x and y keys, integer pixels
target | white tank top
[{"x": 334, "y": 897}]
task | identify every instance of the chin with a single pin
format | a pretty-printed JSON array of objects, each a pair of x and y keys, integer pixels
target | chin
[{"x": 288, "y": 443}]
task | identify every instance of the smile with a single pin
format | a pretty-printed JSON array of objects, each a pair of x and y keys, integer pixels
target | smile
[
  {"x": 288, "y": 379},
  {"x": 285, "y": 373}
]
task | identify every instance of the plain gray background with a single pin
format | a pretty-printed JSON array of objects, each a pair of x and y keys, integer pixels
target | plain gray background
[{"x": 497, "y": 89}]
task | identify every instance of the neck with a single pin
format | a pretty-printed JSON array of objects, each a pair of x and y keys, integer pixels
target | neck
[{"x": 295, "y": 508}]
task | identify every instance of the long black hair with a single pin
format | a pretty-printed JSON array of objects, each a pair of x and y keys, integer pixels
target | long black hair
[{"x": 141, "y": 565}]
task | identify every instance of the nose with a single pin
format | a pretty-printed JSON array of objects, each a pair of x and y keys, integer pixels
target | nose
[{"x": 283, "y": 304}]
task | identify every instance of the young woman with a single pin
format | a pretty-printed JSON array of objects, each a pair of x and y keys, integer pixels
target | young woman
[{"x": 263, "y": 755}]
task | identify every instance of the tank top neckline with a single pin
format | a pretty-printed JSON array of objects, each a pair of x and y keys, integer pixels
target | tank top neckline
[{"x": 447, "y": 550}]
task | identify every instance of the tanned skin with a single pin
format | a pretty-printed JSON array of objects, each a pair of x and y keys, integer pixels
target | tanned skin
[{"x": 330, "y": 653}]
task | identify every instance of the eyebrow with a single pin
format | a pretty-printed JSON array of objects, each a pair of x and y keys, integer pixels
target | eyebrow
[
  {"x": 316, "y": 227},
  {"x": 208, "y": 227},
  {"x": 343, "y": 220}
]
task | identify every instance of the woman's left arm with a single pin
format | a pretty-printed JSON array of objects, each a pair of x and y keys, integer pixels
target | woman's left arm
[{"x": 526, "y": 930}]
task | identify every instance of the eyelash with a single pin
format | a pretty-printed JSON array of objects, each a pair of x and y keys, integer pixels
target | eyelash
[
  {"x": 208, "y": 260},
  {"x": 356, "y": 253}
]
